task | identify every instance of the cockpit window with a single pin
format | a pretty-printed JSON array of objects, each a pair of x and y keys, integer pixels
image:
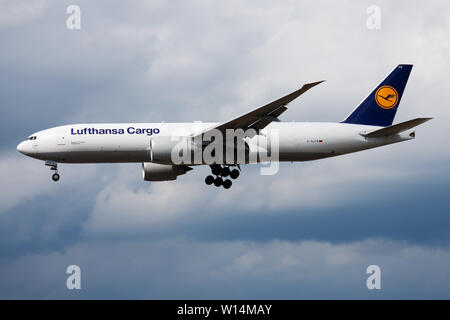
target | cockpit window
[{"x": 32, "y": 138}]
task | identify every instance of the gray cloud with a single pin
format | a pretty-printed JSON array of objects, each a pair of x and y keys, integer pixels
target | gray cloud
[{"x": 180, "y": 268}]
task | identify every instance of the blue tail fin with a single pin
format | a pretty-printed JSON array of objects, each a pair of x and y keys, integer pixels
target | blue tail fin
[{"x": 379, "y": 108}]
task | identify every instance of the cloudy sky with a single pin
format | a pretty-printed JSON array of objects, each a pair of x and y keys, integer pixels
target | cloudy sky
[{"x": 308, "y": 232}]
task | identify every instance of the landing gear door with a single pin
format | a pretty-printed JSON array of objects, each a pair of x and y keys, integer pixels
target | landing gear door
[{"x": 61, "y": 140}]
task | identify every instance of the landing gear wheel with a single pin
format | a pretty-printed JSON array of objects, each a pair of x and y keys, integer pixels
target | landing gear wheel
[
  {"x": 227, "y": 184},
  {"x": 234, "y": 174},
  {"x": 54, "y": 167},
  {"x": 216, "y": 170},
  {"x": 209, "y": 180},
  {"x": 218, "y": 182},
  {"x": 225, "y": 172}
]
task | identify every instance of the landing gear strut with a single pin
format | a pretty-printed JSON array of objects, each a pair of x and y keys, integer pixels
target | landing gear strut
[
  {"x": 54, "y": 167},
  {"x": 221, "y": 172}
]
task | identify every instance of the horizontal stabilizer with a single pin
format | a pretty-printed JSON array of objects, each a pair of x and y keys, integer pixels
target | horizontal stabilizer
[{"x": 397, "y": 128}]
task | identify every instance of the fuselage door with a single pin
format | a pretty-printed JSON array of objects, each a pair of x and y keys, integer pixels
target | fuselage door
[{"x": 61, "y": 140}]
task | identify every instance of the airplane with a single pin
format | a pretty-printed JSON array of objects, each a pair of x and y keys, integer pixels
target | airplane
[{"x": 368, "y": 126}]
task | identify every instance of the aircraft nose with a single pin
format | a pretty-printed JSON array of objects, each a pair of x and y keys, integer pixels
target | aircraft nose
[{"x": 22, "y": 148}]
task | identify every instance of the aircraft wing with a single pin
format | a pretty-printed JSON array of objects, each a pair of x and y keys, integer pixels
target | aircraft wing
[{"x": 260, "y": 117}]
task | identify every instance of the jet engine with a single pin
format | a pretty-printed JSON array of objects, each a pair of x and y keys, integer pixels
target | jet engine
[{"x": 162, "y": 172}]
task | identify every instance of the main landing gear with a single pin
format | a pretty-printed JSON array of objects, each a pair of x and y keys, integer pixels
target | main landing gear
[
  {"x": 221, "y": 172},
  {"x": 54, "y": 167}
]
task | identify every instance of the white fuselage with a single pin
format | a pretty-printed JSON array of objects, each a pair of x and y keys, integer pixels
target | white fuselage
[{"x": 130, "y": 142}]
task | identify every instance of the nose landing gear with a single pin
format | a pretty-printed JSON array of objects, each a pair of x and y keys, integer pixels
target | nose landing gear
[
  {"x": 54, "y": 167},
  {"x": 221, "y": 172}
]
